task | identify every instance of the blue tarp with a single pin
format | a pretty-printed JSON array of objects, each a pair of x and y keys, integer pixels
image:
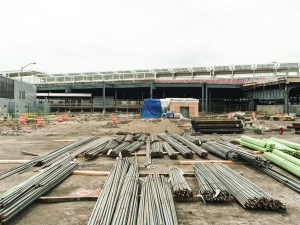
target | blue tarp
[{"x": 151, "y": 108}]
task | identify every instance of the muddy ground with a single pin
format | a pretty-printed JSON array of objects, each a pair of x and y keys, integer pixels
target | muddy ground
[{"x": 49, "y": 137}]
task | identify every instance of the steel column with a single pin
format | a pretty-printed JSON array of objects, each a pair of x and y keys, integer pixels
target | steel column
[
  {"x": 116, "y": 99},
  {"x": 103, "y": 98},
  {"x": 206, "y": 98},
  {"x": 202, "y": 98},
  {"x": 151, "y": 90}
]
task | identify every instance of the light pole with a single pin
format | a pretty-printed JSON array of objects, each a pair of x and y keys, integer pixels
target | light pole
[
  {"x": 22, "y": 68},
  {"x": 275, "y": 67}
]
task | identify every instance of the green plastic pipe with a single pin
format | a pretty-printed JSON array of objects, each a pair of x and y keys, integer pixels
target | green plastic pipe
[
  {"x": 286, "y": 156},
  {"x": 250, "y": 145},
  {"x": 291, "y": 167},
  {"x": 287, "y": 143},
  {"x": 254, "y": 141}
]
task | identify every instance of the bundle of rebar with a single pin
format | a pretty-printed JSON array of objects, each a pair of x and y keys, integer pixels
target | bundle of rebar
[
  {"x": 156, "y": 202},
  {"x": 104, "y": 209},
  {"x": 148, "y": 153},
  {"x": 118, "y": 150},
  {"x": 211, "y": 188},
  {"x": 142, "y": 137},
  {"x": 195, "y": 140},
  {"x": 153, "y": 138},
  {"x": 216, "y": 149},
  {"x": 120, "y": 138},
  {"x": 94, "y": 152},
  {"x": 170, "y": 151},
  {"x": 187, "y": 153},
  {"x": 110, "y": 145},
  {"x": 180, "y": 187},
  {"x": 128, "y": 138},
  {"x": 18, "y": 198},
  {"x": 156, "y": 150},
  {"x": 41, "y": 160},
  {"x": 246, "y": 193},
  {"x": 127, "y": 205},
  {"x": 262, "y": 165},
  {"x": 134, "y": 146},
  {"x": 198, "y": 150}
]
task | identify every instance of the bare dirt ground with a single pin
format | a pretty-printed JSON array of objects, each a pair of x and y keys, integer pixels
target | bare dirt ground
[{"x": 43, "y": 139}]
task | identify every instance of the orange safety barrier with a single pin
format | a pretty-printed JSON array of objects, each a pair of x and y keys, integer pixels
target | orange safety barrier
[
  {"x": 39, "y": 120},
  {"x": 114, "y": 119},
  {"x": 59, "y": 118},
  {"x": 22, "y": 118},
  {"x": 66, "y": 117}
]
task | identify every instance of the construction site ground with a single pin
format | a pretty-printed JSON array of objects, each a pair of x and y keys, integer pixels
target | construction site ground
[{"x": 41, "y": 139}]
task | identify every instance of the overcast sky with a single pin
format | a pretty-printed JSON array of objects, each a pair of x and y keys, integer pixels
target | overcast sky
[{"x": 98, "y": 35}]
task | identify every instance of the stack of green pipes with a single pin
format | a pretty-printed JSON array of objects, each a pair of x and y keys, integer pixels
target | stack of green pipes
[{"x": 281, "y": 152}]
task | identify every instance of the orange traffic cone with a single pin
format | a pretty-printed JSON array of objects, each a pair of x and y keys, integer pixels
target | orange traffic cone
[
  {"x": 66, "y": 116},
  {"x": 22, "y": 118},
  {"x": 39, "y": 120},
  {"x": 59, "y": 118}
]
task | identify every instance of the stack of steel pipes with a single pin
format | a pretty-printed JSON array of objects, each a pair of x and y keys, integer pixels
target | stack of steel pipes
[
  {"x": 110, "y": 145},
  {"x": 118, "y": 150},
  {"x": 170, "y": 151},
  {"x": 180, "y": 187},
  {"x": 156, "y": 150},
  {"x": 198, "y": 150},
  {"x": 262, "y": 165},
  {"x": 50, "y": 157},
  {"x": 148, "y": 153},
  {"x": 156, "y": 202},
  {"x": 216, "y": 149},
  {"x": 187, "y": 153},
  {"x": 143, "y": 137},
  {"x": 195, "y": 140},
  {"x": 127, "y": 206},
  {"x": 18, "y": 198},
  {"x": 129, "y": 149},
  {"x": 211, "y": 188},
  {"x": 246, "y": 193},
  {"x": 153, "y": 138},
  {"x": 128, "y": 138},
  {"x": 104, "y": 209},
  {"x": 94, "y": 152}
]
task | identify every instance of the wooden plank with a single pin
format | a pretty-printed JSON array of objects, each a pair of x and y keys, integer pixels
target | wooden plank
[
  {"x": 57, "y": 199},
  {"x": 29, "y": 153},
  {"x": 90, "y": 173},
  {"x": 13, "y": 161},
  {"x": 65, "y": 140},
  {"x": 191, "y": 162}
]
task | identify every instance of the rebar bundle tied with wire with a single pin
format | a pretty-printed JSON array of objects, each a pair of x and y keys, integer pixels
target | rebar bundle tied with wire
[
  {"x": 143, "y": 137},
  {"x": 117, "y": 150},
  {"x": 156, "y": 202},
  {"x": 48, "y": 158},
  {"x": 153, "y": 138},
  {"x": 170, "y": 151},
  {"x": 246, "y": 193},
  {"x": 94, "y": 152},
  {"x": 148, "y": 153},
  {"x": 127, "y": 205},
  {"x": 219, "y": 150},
  {"x": 104, "y": 209},
  {"x": 180, "y": 187},
  {"x": 133, "y": 147},
  {"x": 156, "y": 150},
  {"x": 211, "y": 188},
  {"x": 198, "y": 150},
  {"x": 195, "y": 140},
  {"x": 186, "y": 152},
  {"x": 128, "y": 138},
  {"x": 18, "y": 198}
]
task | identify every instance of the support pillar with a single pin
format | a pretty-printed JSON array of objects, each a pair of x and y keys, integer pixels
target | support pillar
[
  {"x": 286, "y": 100},
  {"x": 206, "y": 98},
  {"x": 151, "y": 90},
  {"x": 116, "y": 99},
  {"x": 103, "y": 98},
  {"x": 202, "y": 98},
  {"x": 209, "y": 100}
]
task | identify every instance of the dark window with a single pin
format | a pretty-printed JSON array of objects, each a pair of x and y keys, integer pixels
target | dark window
[{"x": 6, "y": 88}]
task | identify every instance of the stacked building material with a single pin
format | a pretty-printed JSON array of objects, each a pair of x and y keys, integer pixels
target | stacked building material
[
  {"x": 262, "y": 165},
  {"x": 170, "y": 151},
  {"x": 198, "y": 150},
  {"x": 153, "y": 138},
  {"x": 180, "y": 187},
  {"x": 211, "y": 188},
  {"x": 295, "y": 126},
  {"x": 246, "y": 193},
  {"x": 193, "y": 139},
  {"x": 20, "y": 197},
  {"x": 219, "y": 150},
  {"x": 186, "y": 152},
  {"x": 133, "y": 147},
  {"x": 108, "y": 199},
  {"x": 50, "y": 157},
  {"x": 92, "y": 153},
  {"x": 128, "y": 138},
  {"x": 148, "y": 153},
  {"x": 156, "y": 202},
  {"x": 218, "y": 126},
  {"x": 127, "y": 205},
  {"x": 156, "y": 150},
  {"x": 118, "y": 150},
  {"x": 143, "y": 137}
]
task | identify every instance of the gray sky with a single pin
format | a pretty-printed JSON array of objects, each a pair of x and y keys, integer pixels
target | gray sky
[{"x": 98, "y": 35}]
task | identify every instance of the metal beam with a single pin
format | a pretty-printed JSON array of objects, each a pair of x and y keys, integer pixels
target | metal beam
[
  {"x": 103, "y": 98},
  {"x": 202, "y": 98}
]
